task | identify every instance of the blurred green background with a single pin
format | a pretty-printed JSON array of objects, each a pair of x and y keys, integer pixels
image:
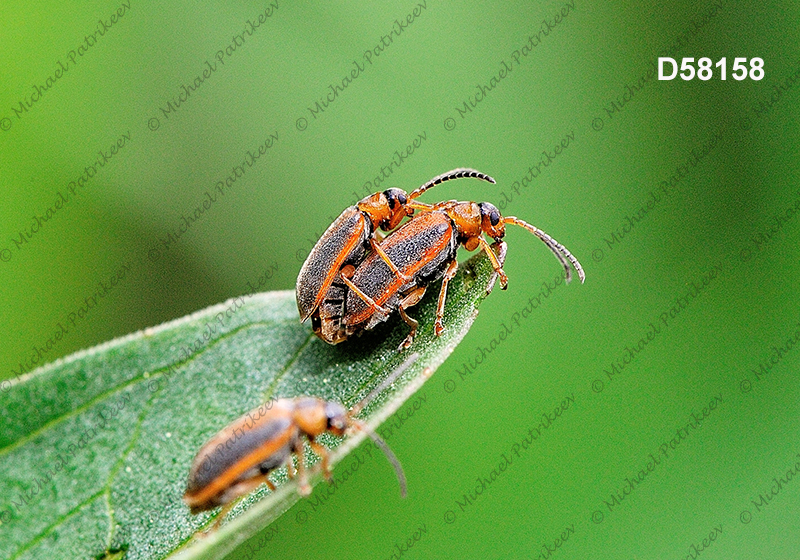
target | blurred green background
[{"x": 717, "y": 161}]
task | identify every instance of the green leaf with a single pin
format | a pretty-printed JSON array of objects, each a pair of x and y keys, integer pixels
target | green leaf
[{"x": 96, "y": 447}]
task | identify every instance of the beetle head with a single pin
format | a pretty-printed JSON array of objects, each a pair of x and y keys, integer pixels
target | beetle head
[
  {"x": 396, "y": 208},
  {"x": 492, "y": 222},
  {"x": 338, "y": 419},
  {"x": 386, "y": 209}
]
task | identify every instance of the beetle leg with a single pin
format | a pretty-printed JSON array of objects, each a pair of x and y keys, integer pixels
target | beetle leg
[
  {"x": 410, "y": 300},
  {"x": 290, "y": 470},
  {"x": 239, "y": 490},
  {"x": 264, "y": 478},
  {"x": 320, "y": 450},
  {"x": 498, "y": 269},
  {"x": 302, "y": 481},
  {"x": 368, "y": 300},
  {"x": 502, "y": 248},
  {"x": 221, "y": 515},
  {"x": 438, "y": 327},
  {"x": 382, "y": 254},
  {"x": 416, "y": 205}
]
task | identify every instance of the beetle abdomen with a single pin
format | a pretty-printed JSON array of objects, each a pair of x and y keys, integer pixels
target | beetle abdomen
[{"x": 327, "y": 319}]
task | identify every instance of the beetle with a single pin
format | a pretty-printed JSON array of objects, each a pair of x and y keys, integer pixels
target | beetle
[
  {"x": 351, "y": 235},
  {"x": 241, "y": 456},
  {"x": 424, "y": 250}
]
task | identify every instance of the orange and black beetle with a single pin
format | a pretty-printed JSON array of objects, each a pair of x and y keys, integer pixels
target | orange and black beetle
[
  {"x": 424, "y": 250},
  {"x": 241, "y": 456},
  {"x": 347, "y": 240}
]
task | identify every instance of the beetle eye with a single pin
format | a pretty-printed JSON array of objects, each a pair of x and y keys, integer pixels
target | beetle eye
[
  {"x": 489, "y": 211},
  {"x": 393, "y": 196}
]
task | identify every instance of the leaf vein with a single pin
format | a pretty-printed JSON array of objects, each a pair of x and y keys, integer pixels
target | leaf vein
[{"x": 103, "y": 396}]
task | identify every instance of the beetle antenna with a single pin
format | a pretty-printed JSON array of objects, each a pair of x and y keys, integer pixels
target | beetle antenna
[
  {"x": 358, "y": 424},
  {"x": 391, "y": 457},
  {"x": 386, "y": 382},
  {"x": 452, "y": 174},
  {"x": 561, "y": 252}
]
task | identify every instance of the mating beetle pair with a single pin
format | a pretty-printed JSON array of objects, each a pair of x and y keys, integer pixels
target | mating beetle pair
[
  {"x": 323, "y": 282},
  {"x": 345, "y": 291}
]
